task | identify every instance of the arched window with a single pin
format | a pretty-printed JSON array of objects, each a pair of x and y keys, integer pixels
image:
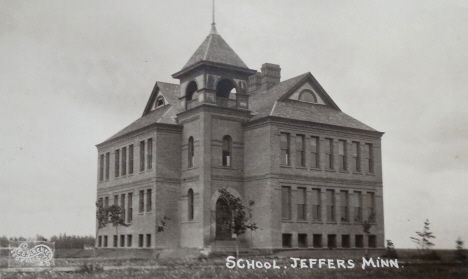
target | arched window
[
  {"x": 190, "y": 205},
  {"x": 226, "y": 89},
  {"x": 227, "y": 151},
  {"x": 159, "y": 102},
  {"x": 307, "y": 96},
  {"x": 191, "y": 152},
  {"x": 191, "y": 88}
]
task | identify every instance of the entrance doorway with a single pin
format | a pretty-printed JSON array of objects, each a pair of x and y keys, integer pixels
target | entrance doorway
[{"x": 223, "y": 218}]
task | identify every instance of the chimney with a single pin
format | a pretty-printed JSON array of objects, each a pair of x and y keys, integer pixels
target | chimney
[
  {"x": 255, "y": 82},
  {"x": 271, "y": 75}
]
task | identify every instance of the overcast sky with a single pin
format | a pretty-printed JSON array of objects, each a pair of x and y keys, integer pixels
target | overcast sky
[{"x": 73, "y": 73}]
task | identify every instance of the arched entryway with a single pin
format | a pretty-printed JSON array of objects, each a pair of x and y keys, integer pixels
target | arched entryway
[{"x": 223, "y": 218}]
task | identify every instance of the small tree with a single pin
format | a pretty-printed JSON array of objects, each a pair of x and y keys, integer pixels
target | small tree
[
  {"x": 424, "y": 241},
  {"x": 240, "y": 216},
  {"x": 108, "y": 214},
  {"x": 460, "y": 253},
  {"x": 162, "y": 224},
  {"x": 116, "y": 218},
  {"x": 391, "y": 252},
  {"x": 366, "y": 226}
]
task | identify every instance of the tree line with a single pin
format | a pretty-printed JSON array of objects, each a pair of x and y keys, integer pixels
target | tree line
[{"x": 62, "y": 241}]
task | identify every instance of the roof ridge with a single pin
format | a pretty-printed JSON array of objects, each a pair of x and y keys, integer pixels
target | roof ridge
[{"x": 208, "y": 47}]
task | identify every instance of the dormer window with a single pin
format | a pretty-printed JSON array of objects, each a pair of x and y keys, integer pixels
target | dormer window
[
  {"x": 307, "y": 96},
  {"x": 160, "y": 102}
]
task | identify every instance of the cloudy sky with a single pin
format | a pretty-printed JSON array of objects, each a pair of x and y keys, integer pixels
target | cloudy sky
[{"x": 75, "y": 72}]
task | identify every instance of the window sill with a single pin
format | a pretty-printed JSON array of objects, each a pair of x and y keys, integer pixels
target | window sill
[
  {"x": 287, "y": 221},
  {"x": 332, "y": 222},
  {"x": 357, "y": 172},
  {"x": 225, "y": 167},
  {"x": 344, "y": 171},
  {"x": 189, "y": 169},
  {"x": 330, "y": 170},
  {"x": 286, "y": 166},
  {"x": 370, "y": 173},
  {"x": 316, "y": 169},
  {"x": 149, "y": 212},
  {"x": 303, "y": 221},
  {"x": 301, "y": 168},
  {"x": 317, "y": 222},
  {"x": 189, "y": 222}
]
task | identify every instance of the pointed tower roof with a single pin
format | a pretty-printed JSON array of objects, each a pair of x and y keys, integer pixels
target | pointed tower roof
[{"x": 214, "y": 49}]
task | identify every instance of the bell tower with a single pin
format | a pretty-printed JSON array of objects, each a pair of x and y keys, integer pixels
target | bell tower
[
  {"x": 213, "y": 104},
  {"x": 214, "y": 75}
]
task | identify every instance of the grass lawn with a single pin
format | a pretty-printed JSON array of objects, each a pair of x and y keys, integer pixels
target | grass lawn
[{"x": 206, "y": 270}]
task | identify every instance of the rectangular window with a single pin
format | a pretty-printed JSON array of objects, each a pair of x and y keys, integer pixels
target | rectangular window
[
  {"x": 287, "y": 240},
  {"x": 301, "y": 203},
  {"x": 370, "y": 205},
  {"x": 356, "y": 157},
  {"x": 314, "y": 157},
  {"x": 150, "y": 153},
  {"x": 345, "y": 241},
  {"x": 332, "y": 241},
  {"x": 105, "y": 241},
  {"x": 285, "y": 149},
  {"x": 317, "y": 241},
  {"x": 117, "y": 163},
  {"x": 100, "y": 241},
  {"x": 115, "y": 241},
  {"x": 141, "y": 207},
  {"x": 302, "y": 240},
  {"x": 116, "y": 199},
  {"x": 107, "y": 165},
  {"x": 367, "y": 158},
  {"x": 372, "y": 241},
  {"x": 130, "y": 159},
  {"x": 190, "y": 153},
  {"x": 140, "y": 240},
  {"x": 331, "y": 205},
  {"x": 101, "y": 167},
  {"x": 130, "y": 208},
  {"x": 148, "y": 240},
  {"x": 106, "y": 202},
  {"x": 101, "y": 201},
  {"x": 344, "y": 200},
  {"x": 122, "y": 240},
  {"x": 342, "y": 154},
  {"x": 358, "y": 206},
  {"x": 316, "y": 204},
  {"x": 359, "y": 241},
  {"x": 129, "y": 240},
  {"x": 122, "y": 204},
  {"x": 286, "y": 202},
  {"x": 124, "y": 161},
  {"x": 371, "y": 158},
  {"x": 148, "y": 200},
  {"x": 300, "y": 153},
  {"x": 142, "y": 155},
  {"x": 328, "y": 148}
]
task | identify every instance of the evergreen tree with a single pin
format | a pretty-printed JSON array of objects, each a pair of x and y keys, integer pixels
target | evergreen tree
[
  {"x": 424, "y": 240},
  {"x": 460, "y": 253}
]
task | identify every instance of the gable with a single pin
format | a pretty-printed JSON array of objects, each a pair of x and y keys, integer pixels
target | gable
[
  {"x": 165, "y": 92},
  {"x": 306, "y": 88}
]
